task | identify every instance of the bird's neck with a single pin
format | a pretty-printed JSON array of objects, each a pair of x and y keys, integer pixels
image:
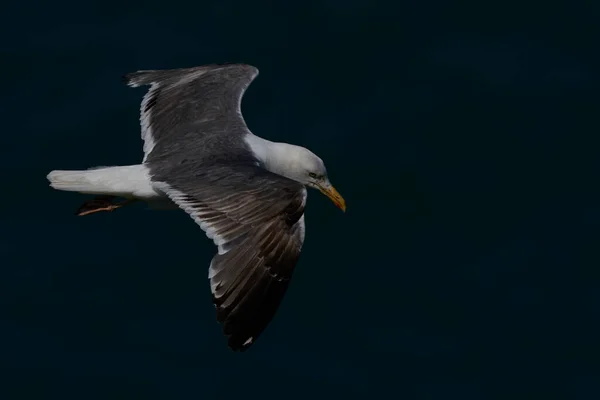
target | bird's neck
[{"x": 273, "y": 156}]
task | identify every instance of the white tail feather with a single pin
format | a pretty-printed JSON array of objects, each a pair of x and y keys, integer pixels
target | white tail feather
[{"x": 129, "y": 181}]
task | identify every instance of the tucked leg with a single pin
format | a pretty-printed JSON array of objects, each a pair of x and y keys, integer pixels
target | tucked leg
[{"x": 101, "y": 203}]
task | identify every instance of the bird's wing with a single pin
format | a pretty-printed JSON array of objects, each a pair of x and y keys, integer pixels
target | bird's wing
[
  {"x": 256, "y": 218},
  {"x": 179, "y": 100}
]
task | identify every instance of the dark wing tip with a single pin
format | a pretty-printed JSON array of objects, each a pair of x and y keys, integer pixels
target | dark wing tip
[
  {"x": 126, "y": 79},
  {"x": 139, "y": 78},
  {"x": 254, "y": 307},
  {"x": 239, "y": 347}
]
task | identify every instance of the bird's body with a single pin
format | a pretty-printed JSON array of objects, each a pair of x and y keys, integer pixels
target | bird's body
[{"x": 247, "y": 193}]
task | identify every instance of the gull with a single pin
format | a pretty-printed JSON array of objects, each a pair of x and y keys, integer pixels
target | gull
[{"x": 246, "y": 193}]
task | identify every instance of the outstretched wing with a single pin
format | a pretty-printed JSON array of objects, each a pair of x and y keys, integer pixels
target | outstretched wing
[
  {"x": 193, "y": 131},
  {"x": 179, "y": 100},
  {"x": 256, "y": 219}
]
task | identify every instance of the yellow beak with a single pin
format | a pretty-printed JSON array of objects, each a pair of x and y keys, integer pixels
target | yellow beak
[{"x": 334, "y": 196}]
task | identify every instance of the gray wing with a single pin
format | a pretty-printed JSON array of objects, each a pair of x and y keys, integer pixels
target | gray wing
[
  {"x": 202, "y": 100},
  {"x": 256, "y": 219}
]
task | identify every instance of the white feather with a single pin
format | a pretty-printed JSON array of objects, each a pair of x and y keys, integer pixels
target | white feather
[
  {"x": 131, "y": 181},
  {"x": 145, "y": 122},
  {"x": 293, "y": 162}
]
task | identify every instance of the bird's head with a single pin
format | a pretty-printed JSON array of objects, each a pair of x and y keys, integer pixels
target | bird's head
[{"x": 310, "y": 170}]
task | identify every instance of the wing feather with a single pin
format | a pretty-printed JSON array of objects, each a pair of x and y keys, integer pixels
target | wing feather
[
  {"x": 181, "y": 99},
  {"x": 259, "y": 243},
  {"x": 192, "y": 127}
]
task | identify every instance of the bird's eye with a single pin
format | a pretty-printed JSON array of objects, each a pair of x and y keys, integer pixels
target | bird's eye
[{"x": 312, "y": 174}]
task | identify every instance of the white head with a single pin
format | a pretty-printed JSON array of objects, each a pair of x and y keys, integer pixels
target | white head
[{"x": 302, "y": 165}]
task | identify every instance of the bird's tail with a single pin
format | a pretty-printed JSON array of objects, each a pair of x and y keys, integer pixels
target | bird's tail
[
  {"x": 124, "y": 181},
  {"x": 89, "y": 181}
]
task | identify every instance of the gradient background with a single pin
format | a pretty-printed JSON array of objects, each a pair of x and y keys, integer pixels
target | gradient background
[{"x": 463, "y": 136}]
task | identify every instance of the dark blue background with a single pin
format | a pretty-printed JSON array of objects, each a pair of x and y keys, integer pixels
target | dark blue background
[{"x": 462, "y": 134}]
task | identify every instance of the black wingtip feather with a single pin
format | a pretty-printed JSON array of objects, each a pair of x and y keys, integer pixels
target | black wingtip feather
[
  {"x": 141, "y": 78},
  {"x": 249, "y": 318},
  {"x": 130, "y": 78}
]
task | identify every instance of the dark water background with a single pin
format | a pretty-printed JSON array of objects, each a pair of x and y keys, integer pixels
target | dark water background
[{"x": 462, "y": 134}]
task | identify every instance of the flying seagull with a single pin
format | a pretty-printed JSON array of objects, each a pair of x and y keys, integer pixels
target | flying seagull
[{"x": 247, "y": 193}]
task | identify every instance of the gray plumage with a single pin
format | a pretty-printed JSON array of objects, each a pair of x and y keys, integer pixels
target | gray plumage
[
  {"x": 247, "y": 193},
  {"x": 193, "y": 132}
]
